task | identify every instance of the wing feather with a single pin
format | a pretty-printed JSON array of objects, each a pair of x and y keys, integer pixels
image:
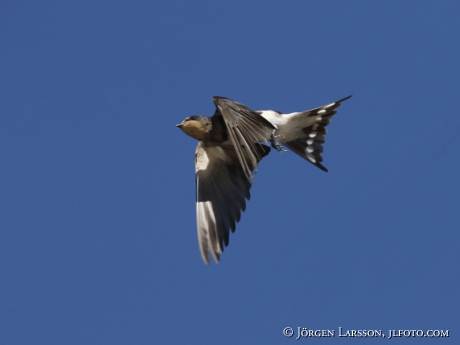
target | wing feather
[
  {"x": 221, "y": 192},
  {"x": 246, "y": 129}
]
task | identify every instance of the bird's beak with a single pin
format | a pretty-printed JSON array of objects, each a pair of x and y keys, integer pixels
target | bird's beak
[{"x": 179, "y": 125}]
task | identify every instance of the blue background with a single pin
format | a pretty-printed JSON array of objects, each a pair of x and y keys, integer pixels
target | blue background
[{"x": 97, "y": 214}]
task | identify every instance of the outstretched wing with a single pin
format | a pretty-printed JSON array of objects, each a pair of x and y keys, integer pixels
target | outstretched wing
[
  {"x": 246, "y": 129},
  {"x": 221, "y": 192},
  {"x": 310, "y": 146}
]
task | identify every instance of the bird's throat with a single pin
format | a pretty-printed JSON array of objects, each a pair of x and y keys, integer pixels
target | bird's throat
[{"x": 195, "y": 129}]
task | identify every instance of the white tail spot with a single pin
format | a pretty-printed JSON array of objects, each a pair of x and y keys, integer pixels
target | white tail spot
[{"x": 311, "y": 158}]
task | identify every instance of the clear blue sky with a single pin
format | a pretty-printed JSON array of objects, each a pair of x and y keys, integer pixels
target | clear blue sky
[{"x": 97, "y": 213}]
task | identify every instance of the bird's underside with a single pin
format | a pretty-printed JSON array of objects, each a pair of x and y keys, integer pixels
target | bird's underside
[{"x": 224, "y": 170}]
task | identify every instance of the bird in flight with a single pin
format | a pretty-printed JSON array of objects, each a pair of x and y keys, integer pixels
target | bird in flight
[{"x": 231, "y": 144}]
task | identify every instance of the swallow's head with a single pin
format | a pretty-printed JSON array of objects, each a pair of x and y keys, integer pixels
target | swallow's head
[{"x": 196, "y": 126}]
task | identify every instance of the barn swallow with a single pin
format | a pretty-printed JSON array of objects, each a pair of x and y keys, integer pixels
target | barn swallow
[{"x": 231, "y": 144}]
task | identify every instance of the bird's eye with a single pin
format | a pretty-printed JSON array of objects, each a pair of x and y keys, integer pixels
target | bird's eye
[{"x": 192, "y": 117}]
